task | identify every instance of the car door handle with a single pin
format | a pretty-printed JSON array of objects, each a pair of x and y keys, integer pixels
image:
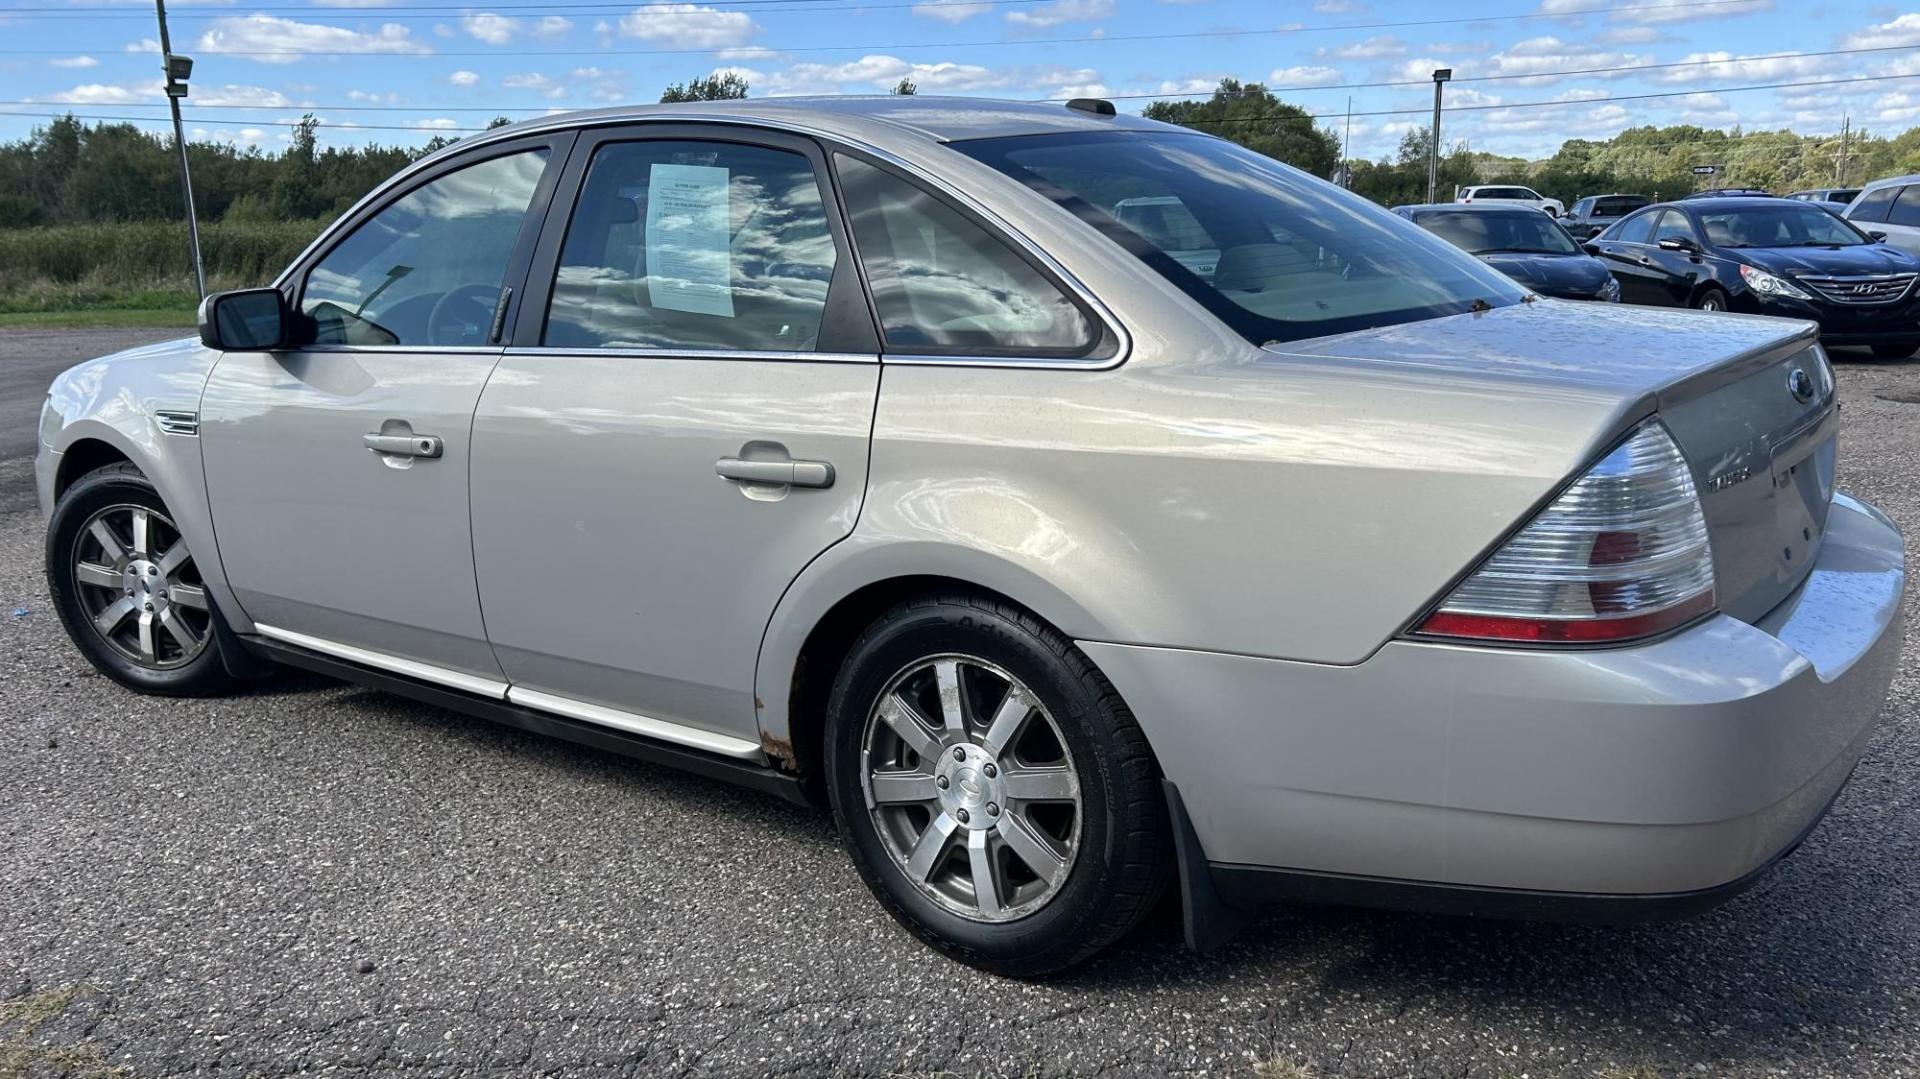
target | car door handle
[
  {"x": 781, "y": 473},
  {"x": 404, "y": 445}
]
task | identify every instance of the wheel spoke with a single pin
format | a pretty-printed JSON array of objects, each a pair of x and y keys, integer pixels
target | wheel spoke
[
  {"x": 148, "y": 651},
  {"x": 109, "y": 543},
  {"x": 97, "y": 575},
  {"x": 188, "y": 595},
  {"x": 142, "y": 532},
  {"x": 116, "y": 612},
  {"x": 896, "y": 788},
  {"x": 1007, "y": 721},
  {"x": 932, "y": 844},
  {"x": 176, "y": 556},
  {"x": 905, "y": 720},
  {"x": 953, "y": 701},
  {"x": 1031, "y": 847},
  {"x": 1041, "y": 784},
  {"x": 986, "y": 888},
  {"x": 178, "y": 630}
]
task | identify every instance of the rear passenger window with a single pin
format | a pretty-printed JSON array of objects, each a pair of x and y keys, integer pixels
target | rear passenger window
[
  {"x": 1906, "y": 208},
  {"x": 694, "y": 245},
  {"x": 1673, "y": 225},
  {"x": 1634, "y": 230},
  {"x": 1874, "y": 204},
  {"x": 943, "y": 285}
]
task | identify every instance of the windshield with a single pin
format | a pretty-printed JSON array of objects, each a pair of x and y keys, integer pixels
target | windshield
[
  {"x": 1528, "y": 233},
  {"x": 1272, "y": 252},
  {"x": 1787, "y": 224}
]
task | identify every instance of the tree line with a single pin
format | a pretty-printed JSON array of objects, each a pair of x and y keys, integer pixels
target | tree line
[{"x": 71, "y": 172}]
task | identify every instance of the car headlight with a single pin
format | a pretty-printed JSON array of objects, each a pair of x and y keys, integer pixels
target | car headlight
[
  {"x": 1771, "y": 284},
  {"x": 1610, "y": 291}
]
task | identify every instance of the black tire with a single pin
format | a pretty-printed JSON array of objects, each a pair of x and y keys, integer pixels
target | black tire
[
  {"x": 122, "y": 484},
  {"x": 1711, "y": 298},
  {"x": 1893, "y": 352},
  {"x": 1124, "y": 859}
]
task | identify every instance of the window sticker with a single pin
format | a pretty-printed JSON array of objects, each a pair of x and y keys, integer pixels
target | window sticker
[{"x": 689, "y": 263}]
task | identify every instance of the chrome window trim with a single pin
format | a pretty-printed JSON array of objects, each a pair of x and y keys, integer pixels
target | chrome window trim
[
  {"x": 798, "y": 356},
  {"x": 426, "y": 672},
  {"x": 635, "y": 723},
  {"x": 1123, "y": 341},
  {"x": 474, "y": 350}
]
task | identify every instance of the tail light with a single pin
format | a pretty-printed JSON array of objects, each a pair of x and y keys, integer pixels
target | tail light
[{"x": 1621, "y": 554}]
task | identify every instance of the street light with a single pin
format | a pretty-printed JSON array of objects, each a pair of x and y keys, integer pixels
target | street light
[
  {"x": 1441, "y": 76},
  {"x": 179, "y": 69}
]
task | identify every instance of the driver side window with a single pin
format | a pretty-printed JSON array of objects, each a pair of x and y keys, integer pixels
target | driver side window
[{"x": 427, "y": 269}]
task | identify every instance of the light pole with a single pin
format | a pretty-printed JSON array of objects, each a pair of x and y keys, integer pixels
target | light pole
[
  {"x": 179, "y": 69},
  {"x": 1440, "y": 77}
]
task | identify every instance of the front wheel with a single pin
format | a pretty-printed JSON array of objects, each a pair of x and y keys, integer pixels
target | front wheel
[
  {"x": 1711, "y": 299},
  {"x": 127, "y": 589},
  {"x": 994, "y": 791},
  {"x": 1893, "y": 352}
]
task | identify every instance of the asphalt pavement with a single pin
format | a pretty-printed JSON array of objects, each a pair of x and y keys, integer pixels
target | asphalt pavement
[{"x": 318, "y": 878}]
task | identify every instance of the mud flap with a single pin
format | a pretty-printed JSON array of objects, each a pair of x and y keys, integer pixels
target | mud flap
[{"x": 1209, "y": 920}]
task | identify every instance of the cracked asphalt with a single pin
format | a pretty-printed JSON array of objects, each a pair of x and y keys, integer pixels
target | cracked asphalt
[{"x": 318, "y": 878}]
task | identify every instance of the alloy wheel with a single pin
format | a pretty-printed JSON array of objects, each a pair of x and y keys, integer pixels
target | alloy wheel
[
  {"x": 971, "y": 788},
  {"x": 139, "y": 588}
]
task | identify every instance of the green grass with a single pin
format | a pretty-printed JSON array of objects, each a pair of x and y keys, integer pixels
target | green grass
[{"x": 106, "y": 317}]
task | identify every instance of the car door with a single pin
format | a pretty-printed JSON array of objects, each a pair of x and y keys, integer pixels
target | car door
[
  {"x": 337, "y": 470},
  {"x": 680, "y": 426},
  {"x": 1624, "y": 248},
  {"x": 1675, "y": 273},
  {"x": 1902, "y": 223}
]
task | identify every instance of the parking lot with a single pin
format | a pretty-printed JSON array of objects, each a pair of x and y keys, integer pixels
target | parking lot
[{"x": 320, "y": 878}]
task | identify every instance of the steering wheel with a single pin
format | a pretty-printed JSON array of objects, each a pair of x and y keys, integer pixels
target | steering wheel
[{"x": 463, "y": 316}]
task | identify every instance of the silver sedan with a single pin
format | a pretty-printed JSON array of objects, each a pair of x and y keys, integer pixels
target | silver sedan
[{"x": 1076, "y": 504}]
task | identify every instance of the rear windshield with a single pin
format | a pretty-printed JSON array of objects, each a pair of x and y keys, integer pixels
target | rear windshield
[
  {"x": 1274, "y": 253},
  {"x": 1785, "y": 224},
  {"x": 1525, "y": 232},
  {"x": 1620, "y": 207}
]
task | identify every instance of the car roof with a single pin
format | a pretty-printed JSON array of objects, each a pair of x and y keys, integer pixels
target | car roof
[
  {"x": 1910, "y": 178},
  {"x": 1467, "y": 207},
  {"x": 876, "y": 119}
]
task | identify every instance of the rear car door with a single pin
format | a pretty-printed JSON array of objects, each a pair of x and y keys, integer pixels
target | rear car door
[
  {"x": 337, "y": 469},
  {"x": 680, "y": 426}
]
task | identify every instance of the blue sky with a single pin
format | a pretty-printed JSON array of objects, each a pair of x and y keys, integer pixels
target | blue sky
[{"x": 397, "y": 71}]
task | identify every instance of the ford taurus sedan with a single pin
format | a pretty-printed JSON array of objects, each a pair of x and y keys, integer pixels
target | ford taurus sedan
[{"x": 864, "y": 451}]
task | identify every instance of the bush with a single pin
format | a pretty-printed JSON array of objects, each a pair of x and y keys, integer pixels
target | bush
[{"x": 149, "y": 255}]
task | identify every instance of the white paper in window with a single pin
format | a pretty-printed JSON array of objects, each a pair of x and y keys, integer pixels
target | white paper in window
[{"x": 689, "y": 264}]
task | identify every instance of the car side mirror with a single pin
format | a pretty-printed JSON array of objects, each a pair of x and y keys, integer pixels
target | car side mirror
[
  {"x": 1878, "y": 237},
  {"x": 1679, "y": 243},
  {"x": 247, "y": 320},
  {"x": 1590, "y": 247}
]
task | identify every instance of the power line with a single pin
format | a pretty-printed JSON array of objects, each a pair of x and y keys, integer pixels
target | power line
[
  {"x": 1003, "y": 43},
  {"x": 416, "y": 129},
  {"x": 429, "y": 12},
  {"x": 556, "y": 5},
  {"x": 1617, "y": 69}
]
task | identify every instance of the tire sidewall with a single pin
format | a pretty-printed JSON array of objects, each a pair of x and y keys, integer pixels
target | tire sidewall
[
  {"x": 91, "y": 493},
  {"x": 1075, "y": 911}
]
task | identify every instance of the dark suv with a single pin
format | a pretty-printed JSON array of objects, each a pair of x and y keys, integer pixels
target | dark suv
[{"x": 1591, "y": 215}]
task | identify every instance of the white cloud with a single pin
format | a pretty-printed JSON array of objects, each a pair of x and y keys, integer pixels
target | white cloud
[
  {"x": 1373, "y": 48},
  {"x": 602, "y": 84},
  {"x": 1904, "y": 30},
  {"x": 871, "y": 72},
  {"x": 535, "y": 81},
  {"x": 464, "y": 78},
  {"x": 74, "y": 61},
  {"x": 950, "y": 11},
  {"x": 95, "y": 93},
  {"x": 1337, "y": 7},
  {"x": 1658, "y": 11},
  {"x": 551, "y": 26},
  {"x": 280, "y": 41},
  {"x": 1303, "y": 75},
  {"x": 352, "y": 3},
  {"x": 374, "y": 98},
  {"x": 1056, "y": 12},
  {"x": 689, "y": 26},
  {"x": 1896, "y": 108},
  {"x": 1714, "y": 66},
  {"x": 1628, "y": 35},
  {"x": 490, "y": 28},
  {"x": 1529, "y": 61},
  {"x": 1069, "y": 82},
  {"x": 438, "y": 123},
  {"x": 145, "y": 44}
]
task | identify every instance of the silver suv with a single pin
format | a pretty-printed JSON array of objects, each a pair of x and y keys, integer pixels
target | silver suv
[{"x": 878, "y": 453}]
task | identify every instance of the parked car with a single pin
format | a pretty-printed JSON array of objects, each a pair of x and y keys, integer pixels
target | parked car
[
  {"x": 1890, "y": 207},
  {"x": 858, "y": 450},
  {"x": 1730, "y": 192},
  {"x": 1834, "y": 198},
  {"x": 1590, "y": 216},
  {"x": 1506, "y": 193},
  {"x": 1526, "y": 245},
  {"x": 1769, "y": 257}
]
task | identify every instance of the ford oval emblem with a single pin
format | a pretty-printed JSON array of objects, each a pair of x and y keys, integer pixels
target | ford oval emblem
[{"x": 1800, "y": 384}]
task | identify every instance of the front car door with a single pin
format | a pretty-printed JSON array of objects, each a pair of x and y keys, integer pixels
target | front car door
[
  {"x": 680, "y": 426},
  {"x": 1902, "y": 223},
  {"x": 1626, "y": 248},
  {"x": 337, "y": 470},
  {"x": 1676, "y": 273}
]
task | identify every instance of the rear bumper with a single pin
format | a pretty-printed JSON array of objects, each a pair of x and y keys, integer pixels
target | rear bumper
[{"x": 1673, "y": 771}]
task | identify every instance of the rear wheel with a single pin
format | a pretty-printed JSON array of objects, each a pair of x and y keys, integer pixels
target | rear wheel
[
  {"x": 993, "y": 789},
  {"x": 128, "y": 590},
  {"x": 1893, "y": 352},
  {"x": 1711, "y": 299}
]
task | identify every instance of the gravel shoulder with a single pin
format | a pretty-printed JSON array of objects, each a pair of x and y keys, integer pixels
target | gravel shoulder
[{"x": 316, "y": 877}]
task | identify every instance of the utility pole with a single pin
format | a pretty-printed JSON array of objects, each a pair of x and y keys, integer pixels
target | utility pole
[
  {"x": 1440, "y": 77},
  {"x": 1840, "y": 167},
  {"x": 1346, "y": 149},
  {"x": 178, "y": 70}
]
